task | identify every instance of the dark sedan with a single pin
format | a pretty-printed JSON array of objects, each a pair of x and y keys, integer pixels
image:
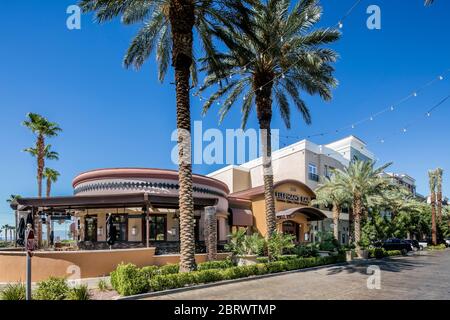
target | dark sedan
[{"x": 397, "y": 244}]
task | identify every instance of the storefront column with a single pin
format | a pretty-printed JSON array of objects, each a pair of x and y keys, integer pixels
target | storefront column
[
  {"x": 210, "y": 233},
  {"x": 223, "y": 230}
]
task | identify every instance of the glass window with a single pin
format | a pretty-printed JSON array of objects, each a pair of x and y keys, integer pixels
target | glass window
[
  {"x": 312, "y": 172},
  {"x": 91, "y": 228},
  {"x": 312, "y": 168},
  {"x": 158, "y": 226},
  {"x": 121, "y": 224}
]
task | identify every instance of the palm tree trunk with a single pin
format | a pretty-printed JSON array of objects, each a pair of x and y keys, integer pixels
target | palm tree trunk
[
  {"x": 263, "y": 89},
  {"x": 6, "y": 235},
  {"x": 40, "y": 162},
  {"x": 49, "y": 187},
  {"x": 439, "y": 203},
  {"x": 336, "y": 214},
  {"x": 357, "y": 211},
  {"x": 182, "y": 19},
  {"x": 433, "y": 219}
]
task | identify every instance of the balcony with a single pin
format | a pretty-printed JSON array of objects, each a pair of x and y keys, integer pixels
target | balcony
[{"x": 313, "y": 176}]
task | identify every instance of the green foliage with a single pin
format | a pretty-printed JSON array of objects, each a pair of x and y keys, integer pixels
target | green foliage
[
  {"x": 52, "y": 289},
  {"x": 129, "y": 280},
  {"x": 242, "y": 244},
  {"x": 80, "y": 292},
  {"x": 379, "y": 253},
  {"x": 262, "y": 259},
  {"x": 219, "y": 264},
  {"x": 327, "y": 241},
  {"x": 279, "y": 242},
  {"x": 13, "y": 291},
  {"x": 171, "y": 281},
  {"x": 305, "y": 251},
  {"x": 438, "y": 247},
  {"x": 103, "y": 285},
  {"x": 169, "y": 269}
]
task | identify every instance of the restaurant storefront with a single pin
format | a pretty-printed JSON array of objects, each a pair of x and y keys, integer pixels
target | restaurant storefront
[{"x": 294, "y": 215}]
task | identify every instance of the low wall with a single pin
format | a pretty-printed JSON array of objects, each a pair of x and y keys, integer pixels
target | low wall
[{"x": 81, "y": 264}]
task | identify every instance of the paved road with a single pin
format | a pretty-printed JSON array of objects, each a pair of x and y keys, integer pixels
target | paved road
[{"x": 421, "y": 276}]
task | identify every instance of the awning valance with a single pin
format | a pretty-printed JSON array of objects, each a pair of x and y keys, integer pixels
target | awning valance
[{"x": 312, "y": 213}]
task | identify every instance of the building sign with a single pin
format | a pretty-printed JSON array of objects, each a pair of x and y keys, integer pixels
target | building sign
[{"x": 292, "y": 198}]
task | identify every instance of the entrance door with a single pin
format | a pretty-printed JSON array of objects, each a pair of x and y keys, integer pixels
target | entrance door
[{"x": 291, "y": 227}]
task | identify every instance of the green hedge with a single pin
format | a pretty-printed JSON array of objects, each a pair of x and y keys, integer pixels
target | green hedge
[
  {"x": 220, "y": 264},
  {"x": 130, "y": 280},
  {"x": 379, "y": 253},
  {"x": 438, "y": 247}
]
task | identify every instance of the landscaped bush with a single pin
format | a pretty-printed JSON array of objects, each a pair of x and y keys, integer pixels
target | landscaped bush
[
  {"x": 52, "y": 289},
  {"x": 13, "y": 291},
  {"x": 392, "y": 253},
  {"x": 241, "y": 244},
  {"x": 128, "y": 280},
  {"x": 379, "y": 253},
  {"x": 169, "y": 269},
  {"x": 80, "y": 292},
  {"x": 305, "y": 251},
  {"x": 438, "y": 247},
  {"x": 262, "y": 259},
  {"x": 278, "y": 243},
  {"x": 220, "y": 264}
]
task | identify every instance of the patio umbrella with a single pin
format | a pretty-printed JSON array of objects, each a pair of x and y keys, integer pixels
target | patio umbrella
[
  {"x": 21, "y": 232},
  {"x": 111, "y": 231}
]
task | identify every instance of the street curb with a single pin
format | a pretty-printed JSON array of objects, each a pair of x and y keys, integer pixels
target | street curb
[{"x": 224, "y": 282}]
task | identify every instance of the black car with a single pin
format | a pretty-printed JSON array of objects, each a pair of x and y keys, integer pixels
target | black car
[
  {"x": 397, "y": 244},
  {"x": 415, "y": 244}
]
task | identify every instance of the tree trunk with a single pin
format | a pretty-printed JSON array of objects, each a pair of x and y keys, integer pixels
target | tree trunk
[
  {"x": 263, "y": 89},
  {"x": 336, "y": 214},
  {"x": 49, "y": 187},
  {"x": 6, "y": 235},
  {"x": 40, "y": 162},
  {"x": 433, "y": 219},
  {"x": 182, "y": 19},
  {"x": 439, "y": 205},
  {"x": 357, "y": 208}
]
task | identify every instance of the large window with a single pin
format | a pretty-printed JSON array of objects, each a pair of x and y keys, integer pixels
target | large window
[
  {"x": 312, "y": 172},
  {"x": 158, "y": 227},
  {"x": 121, "y": 223},
  {"x": 90, "y": 223}
]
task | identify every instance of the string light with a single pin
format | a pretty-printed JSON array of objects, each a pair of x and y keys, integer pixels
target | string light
[
  {"x": 404, "y": 130},
  {"x": 441, "y": 78},
  {"x": 371, "y": 118},
  {"x": 392, "y": 108},
  {"x": 415, "y": 94},
  {"x": 428, "y": 114},
  {"x": 340, "y": 25}
]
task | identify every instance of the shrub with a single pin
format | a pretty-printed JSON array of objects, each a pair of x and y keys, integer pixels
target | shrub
[
  {"x": 242, "y": 244},
  {"x": 52, "y": 289},
  {"x": 377, "y": 253},
  {"x": 262, "y": 259},
  {"x": 305, "y": 251},
  {"x": 221, "y": 264},
  {"x": 438, "y": 247},
  {"x": 80, "y": 292},
  {"x": 287, "y": 257},
  {"x": 103, "y": 285},
  {"x": 327, "y": 241},
  {"x": 13, "y": 291},
  {"x": 392, "y": 253},
  {"x": 207, "y": 276},
  {"x": 172, "y": 281},
  {"x": 150, "y": 271},
  {"x": 278, "y": 242},
  {"x": 169, "y": 269},
  {"x": 128, "y": 280}
]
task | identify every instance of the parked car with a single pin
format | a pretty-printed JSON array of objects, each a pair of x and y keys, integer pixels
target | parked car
[
  {"x": 415, "y": 244},
  {"x": 447, "y": 241},
  {"x": 397, "y": 244}
]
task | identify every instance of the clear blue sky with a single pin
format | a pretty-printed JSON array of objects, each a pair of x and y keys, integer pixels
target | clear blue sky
[{"x": 114, "y": 117}]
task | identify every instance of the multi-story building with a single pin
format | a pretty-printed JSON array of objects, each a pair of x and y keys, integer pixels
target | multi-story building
[
  {"x": 403, "y": 180},
  {"x": 304, "y": 163}
]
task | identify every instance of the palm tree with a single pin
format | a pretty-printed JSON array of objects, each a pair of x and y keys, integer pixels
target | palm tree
[
  {"x": 432, "y": 184},
  {"x": 52, "y": 176},
  {"x": 167, "y": 28},
  {"x": 43, "y": 129},
  {"x": 48, "y": 153},
  {"x": 439, "y": 174},
  {"x": 6, "y": 228},
  {"x": 360, "y": 180},
  {"x": 328, "y": 194},
  {"x": 11, "y": 200},
  {"x": 429, "y": 2},
  {"x": 276, "y": 56}
]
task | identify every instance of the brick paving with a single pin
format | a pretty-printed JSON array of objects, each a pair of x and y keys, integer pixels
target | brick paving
[{"x": 424, "y": 275}]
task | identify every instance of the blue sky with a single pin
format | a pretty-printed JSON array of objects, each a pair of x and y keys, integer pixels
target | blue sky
[{"x": 113, "y": 117}]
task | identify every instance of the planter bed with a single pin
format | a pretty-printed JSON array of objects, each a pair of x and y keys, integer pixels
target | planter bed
[{"x": 129, "y": 280}]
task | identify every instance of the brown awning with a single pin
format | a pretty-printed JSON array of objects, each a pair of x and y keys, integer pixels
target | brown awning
[
  {"x": 106, "y": 201},
  {"x": 312, "y": 213},
  {"x": 242, "y": 217}
]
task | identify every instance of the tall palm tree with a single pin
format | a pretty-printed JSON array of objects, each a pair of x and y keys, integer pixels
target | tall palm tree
[
  {"x": 432, "y": 184},
  {"x": 48, "y": 153},
  {"x": 6, "y": 228},
  {"x": 360, "y": 180},
  {"x": 167, "y": 28},
  {"x": 439, "y": 174},
  {"x": 329, "y": 194},
  {"x": 276, "y": 56},
  {"x": 43, "y": 129},
  {"x": 52, "y": 176},
  {"x": 429, "y": 2},
  {"x": 10, "y": 200}
]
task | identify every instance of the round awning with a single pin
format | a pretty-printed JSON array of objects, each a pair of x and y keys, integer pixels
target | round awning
[{"x": 313, "y": 214}]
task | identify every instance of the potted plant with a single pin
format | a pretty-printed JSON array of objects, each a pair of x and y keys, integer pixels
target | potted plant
[{"x": 245, "y": 249}]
